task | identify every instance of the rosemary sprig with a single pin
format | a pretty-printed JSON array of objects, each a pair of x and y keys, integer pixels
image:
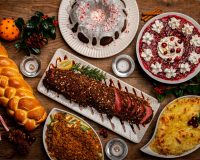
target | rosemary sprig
[{"x": 88, "y": 71}]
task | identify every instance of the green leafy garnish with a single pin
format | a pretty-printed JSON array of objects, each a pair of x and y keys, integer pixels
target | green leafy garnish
[
  {"x": 191, "y": 87},
  {"x": 35, "y": 32},
  {"x": 198, "y": 118},
  {"x": 73, "y": 121},
  {"x": 84, "y": 128},
  {"x": 90, "y": 72}
]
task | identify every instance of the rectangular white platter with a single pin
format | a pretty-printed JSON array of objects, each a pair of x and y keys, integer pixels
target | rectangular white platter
[{"x": 123, "y": 130}]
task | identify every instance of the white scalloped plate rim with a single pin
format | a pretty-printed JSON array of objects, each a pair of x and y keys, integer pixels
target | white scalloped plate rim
[
  {"x": 190, "y": 76},
  {"x": 48, "y": 120},
  {"x": 99, "y": 52},
  {"x": 96, "y": 117},
  {"x": 146, "y": 149}
]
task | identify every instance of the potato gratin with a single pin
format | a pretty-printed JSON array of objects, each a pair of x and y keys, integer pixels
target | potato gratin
[{"x": 174, "y": 134}]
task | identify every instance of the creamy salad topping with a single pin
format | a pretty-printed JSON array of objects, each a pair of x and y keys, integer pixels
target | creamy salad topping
[
  {"x": 184, "y": 67},
  {"x": 174, "y": 23},
  {"x": 157, "y": 26},
  {"x": 194, "y": 58},
  {"x": 147, "y": 54},
  {"x": 170, "y": 72},
  {"x": 187, "y": 29},
  {"x": 195, "y": 41},
  {"x": 156, "y": 68},
  {"x": 147, "y": 38},
  {"x": 170, "y": 48}
]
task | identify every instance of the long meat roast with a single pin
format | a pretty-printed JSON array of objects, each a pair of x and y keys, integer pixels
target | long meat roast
[{"x": 105, "y": 99}]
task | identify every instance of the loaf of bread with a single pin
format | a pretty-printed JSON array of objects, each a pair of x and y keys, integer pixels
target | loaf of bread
[{"x": 17, "y": 96}]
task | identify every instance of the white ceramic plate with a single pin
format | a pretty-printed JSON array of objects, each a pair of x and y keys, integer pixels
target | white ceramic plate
[
  {"x": 148, "y": 150},
  {"x": 190, "y": 76},
  {"x": 48, "y": 121},
  {"x": 126, "y": 130},
  {"x": 99, "y": 52}
]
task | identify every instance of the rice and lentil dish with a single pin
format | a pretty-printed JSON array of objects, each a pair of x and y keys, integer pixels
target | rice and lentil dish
[{"x": 69, "y": 138}]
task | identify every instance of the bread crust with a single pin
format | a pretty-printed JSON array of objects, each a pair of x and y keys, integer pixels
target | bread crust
[{"x": 17, "y": 96}]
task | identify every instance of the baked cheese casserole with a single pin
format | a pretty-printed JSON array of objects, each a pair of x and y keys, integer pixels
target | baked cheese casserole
[{"x": 174, "y": 134}]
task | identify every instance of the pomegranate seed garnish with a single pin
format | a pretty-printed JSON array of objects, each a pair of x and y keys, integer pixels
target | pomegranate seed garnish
[
  {"x": 177, "y": 58},
  {"x": 172, "y": 50},
  {"x": 165, "y": 52},
  {"x": 190, "y": 123},
  {"x": 180, "y": 41},
  {"x": 103, "y": 133},
  {"x": 164, "y": 45},
  {"x": 194, "y": 118},
  {"x": 172, "y": 38},
  {"x": 178, "y": 50},
  {"x": 195, "y": 125},
  {"x": 169, "y": 59}
]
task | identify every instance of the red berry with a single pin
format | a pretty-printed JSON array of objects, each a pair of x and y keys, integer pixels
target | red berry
[
  {"x": 178, "y": 50},
  {"x": 172, "y": 50},
  {"x": 164, "y": 45},
  {"x": 177, "y": 58},
  {"x": 44, "y": 17},
  {"x": 169, "y": 59},
  {"x": 103, "y": 133},
  {"x": 190, "y": 123},
  {"x": 195, "y": 125},
  {"x": 55, "y": 23},
  {"x": 180, "y": 41},
  {"x": 172, "y": 38},
  {"x": 194, "y": 118},
  {"x": 165, "y": 52}
]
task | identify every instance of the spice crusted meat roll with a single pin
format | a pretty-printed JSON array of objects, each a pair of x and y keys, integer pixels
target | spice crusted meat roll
[{"x": 105, "y": 99}]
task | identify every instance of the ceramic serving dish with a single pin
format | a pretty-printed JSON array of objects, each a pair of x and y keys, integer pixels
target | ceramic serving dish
[
  {"x": 168, "y": 48},
  {"x": 98, "y": 51},
  {"x": 48, "y": 121},
  {"x": 134, "y": 133},
  {"x": 147, "y": 149}
]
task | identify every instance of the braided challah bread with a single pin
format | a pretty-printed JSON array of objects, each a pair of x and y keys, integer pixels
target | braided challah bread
[{"x": 17, "y": 96}]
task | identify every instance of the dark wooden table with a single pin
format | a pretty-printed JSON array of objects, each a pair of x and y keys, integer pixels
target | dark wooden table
[{"x": 26, "y": 8}]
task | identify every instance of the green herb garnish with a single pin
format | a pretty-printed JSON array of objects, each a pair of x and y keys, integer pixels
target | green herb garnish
[
  {"x": 198, "y": 118},
  {"x": 191, "y": 87},
  {"x": 35, "y": 32},
  {"x": 84, "y": 128},
  {"x": 73, "y": 121},
  {"x": 90, "y": 72}
]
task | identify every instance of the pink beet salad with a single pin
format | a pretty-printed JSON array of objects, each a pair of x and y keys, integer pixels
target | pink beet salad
[{"x": 170, "y": 48}]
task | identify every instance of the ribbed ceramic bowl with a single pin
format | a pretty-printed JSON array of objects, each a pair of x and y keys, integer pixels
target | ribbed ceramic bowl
[
  {"x": 101, "y": 51},
  {"x": 190, "y": 76}
]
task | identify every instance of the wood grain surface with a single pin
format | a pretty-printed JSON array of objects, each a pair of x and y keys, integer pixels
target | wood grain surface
[{"x": 26, "y": 8}]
